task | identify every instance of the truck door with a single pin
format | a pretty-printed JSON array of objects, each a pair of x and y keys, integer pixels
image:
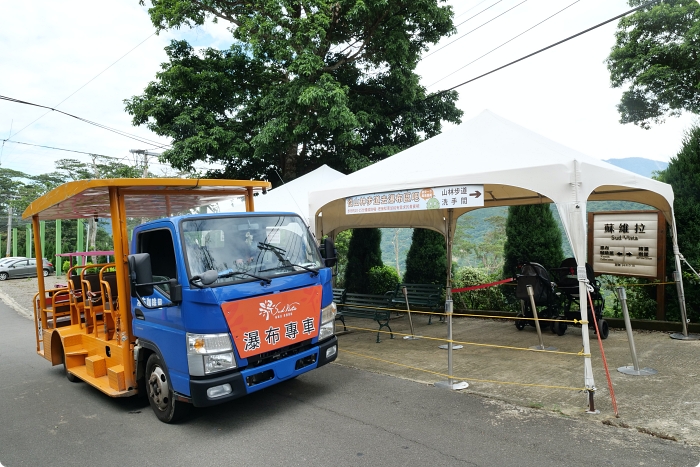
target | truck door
[
  {"x": 158, "y": 243},
  {"x": 161, "y": 328}
]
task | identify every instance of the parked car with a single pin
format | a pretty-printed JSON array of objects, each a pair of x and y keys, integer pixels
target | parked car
[{"x": 25, "y": 267}]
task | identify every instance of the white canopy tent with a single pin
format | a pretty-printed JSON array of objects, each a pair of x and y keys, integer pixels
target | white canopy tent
[
  {"x": 515, "y": 166},
  {"x": 290, "y": 197}
]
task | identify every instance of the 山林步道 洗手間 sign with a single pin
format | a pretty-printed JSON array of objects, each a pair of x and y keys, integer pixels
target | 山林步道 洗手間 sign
[
  {"x": 626, "y": 243},
  {"x": 459, "y": 196}
]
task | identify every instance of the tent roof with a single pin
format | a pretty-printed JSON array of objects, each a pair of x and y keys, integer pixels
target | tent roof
[
  {"x": 515, "y": 165},
  {"x": 290, "y": 197}
]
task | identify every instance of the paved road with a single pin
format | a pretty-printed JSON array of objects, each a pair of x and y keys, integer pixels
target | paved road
[{"x": 334, "y": 416}]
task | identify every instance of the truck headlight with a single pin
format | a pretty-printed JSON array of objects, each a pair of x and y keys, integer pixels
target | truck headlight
[
  {"x": 209, "y": 353},
  {"x": 328, "y": 313},
  {"x": 327, "y": 321}
]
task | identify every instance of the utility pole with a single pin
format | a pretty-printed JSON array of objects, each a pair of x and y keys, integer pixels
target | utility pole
[
  {"x": 92, "y": 222},
  {"x": 145, "y": 153},
  {"x": 9, "y": 228}
]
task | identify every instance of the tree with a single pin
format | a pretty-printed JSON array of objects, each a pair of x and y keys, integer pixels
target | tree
[
  {"x": 304, "y": 83},
  {"x": 426, "y": 259},
  {"x": 364, "y": 253},
  {"x": 532, "y": 235},
  {"x": 657, "y": 51},
  {"x": 490, "y": 251},
  {"x": 683, "y": 174},
  {"x": 10, "y": 183}
]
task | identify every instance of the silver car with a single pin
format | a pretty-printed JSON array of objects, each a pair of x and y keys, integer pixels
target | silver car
[{"x": 23, "y": 268}]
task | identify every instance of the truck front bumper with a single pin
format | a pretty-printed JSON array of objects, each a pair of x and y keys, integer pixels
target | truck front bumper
[{"x": 240, "y": 383}]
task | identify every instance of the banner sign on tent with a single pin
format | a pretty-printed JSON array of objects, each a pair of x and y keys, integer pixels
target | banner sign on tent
[
  {"x": 458, "y": 196},
  {"x": 626, "y": 243}
]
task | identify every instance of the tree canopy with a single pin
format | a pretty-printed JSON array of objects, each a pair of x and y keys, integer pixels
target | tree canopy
[
  {"x": 657, "y": 53},
  {"x": 303, "y": 84},
  {"x": 532, "y": 236}
]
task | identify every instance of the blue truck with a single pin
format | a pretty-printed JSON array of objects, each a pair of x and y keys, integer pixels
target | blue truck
[{"x": 197, "y": 309}]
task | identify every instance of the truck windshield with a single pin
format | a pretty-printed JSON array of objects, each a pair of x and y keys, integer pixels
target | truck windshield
[{"x": 249, "y": 247}]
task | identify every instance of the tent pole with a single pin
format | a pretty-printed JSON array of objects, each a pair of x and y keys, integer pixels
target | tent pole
[
  {"x": 450, "y": 383},
  {"x": 678, "y": 279}
]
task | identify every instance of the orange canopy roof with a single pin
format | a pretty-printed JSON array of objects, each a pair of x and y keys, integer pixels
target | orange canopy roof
[{"x": 144, "y": 197}]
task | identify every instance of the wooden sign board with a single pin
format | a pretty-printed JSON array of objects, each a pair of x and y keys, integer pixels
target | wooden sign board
[{"x": 629, "y": 243}]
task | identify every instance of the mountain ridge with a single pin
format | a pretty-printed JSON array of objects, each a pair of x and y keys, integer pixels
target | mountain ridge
[{"x": 639, "y": 165}]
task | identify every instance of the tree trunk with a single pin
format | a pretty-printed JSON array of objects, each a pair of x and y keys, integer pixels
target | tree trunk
[
  {"x": 289, "y": 165},
  {"x": 92, "y": 227}
]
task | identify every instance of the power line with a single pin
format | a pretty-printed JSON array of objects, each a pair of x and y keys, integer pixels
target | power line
[
  {"x": 437, "y": 94},
  {"x": 114, "y": 158},
  {"x": 57, "y": 149},
  {"x": 509, "y": 40},
  {"x": 474, "y": 16},
  {"x": 81, "y": 87},
  {"x": 478, "y": 27},
  {"x": 99, "y": 125},
  {"x": 470, "y": 9}
]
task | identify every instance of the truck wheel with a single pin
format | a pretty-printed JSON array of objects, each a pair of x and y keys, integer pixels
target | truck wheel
[{"x": 160, "y": 393}]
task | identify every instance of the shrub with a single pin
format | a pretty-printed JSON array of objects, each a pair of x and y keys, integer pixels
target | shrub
[
  {"x": 383, "y": 279},
  {"x": 490, "y": 298},
  {"x": 66, "y": 266},
  {"x": 641, "y": 301}
]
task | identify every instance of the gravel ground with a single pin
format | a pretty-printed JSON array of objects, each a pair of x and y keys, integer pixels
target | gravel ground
[
  {"x": 18, "y": 293},
  {"x": 496, "y": 363}
]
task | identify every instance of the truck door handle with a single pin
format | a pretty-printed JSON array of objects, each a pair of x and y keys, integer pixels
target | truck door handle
[{"x": 139, "y": 314}]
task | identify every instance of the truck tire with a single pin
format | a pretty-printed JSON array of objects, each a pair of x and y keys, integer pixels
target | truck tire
[
  {"x": 160, "y": 393},
  {"x": 69, "y": 376}
]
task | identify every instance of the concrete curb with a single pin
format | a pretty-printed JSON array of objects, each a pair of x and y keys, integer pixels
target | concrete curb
[{"x": 9, "y": 301}]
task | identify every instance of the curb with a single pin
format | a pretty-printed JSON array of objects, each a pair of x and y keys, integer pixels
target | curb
[{"x": 9, "y": 301}]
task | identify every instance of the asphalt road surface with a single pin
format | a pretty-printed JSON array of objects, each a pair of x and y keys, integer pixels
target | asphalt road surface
[{"x": 336, "y": 416}]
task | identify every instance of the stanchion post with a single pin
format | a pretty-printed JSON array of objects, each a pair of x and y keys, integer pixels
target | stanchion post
[
  {"x": 634, "y": 370},
  {"x": 684, "y": 318},
  {"x": 450, "y": 384},
  {"x": 531, "y": 294},
  {"x": 410, "y": 321}
]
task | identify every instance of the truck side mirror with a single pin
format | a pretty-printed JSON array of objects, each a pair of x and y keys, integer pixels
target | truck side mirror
[
  {"x": 330, "y": 255},
  {"x": 140, "y": 273}
]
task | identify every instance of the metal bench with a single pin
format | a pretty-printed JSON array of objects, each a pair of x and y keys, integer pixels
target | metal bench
[
  {"x": 425, "y": 296},
  {"x": 375, "y": 307}
]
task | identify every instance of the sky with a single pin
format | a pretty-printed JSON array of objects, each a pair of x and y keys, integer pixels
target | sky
[{"x": 84, "y": 58}]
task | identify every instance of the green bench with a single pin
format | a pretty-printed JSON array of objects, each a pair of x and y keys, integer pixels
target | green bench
[
  {"x": 356, "y": 305},
  {"x": 425, "y": 296}
]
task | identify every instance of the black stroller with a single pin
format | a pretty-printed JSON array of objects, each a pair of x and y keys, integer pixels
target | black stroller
[
  {"x": 567, "y": 285},
  {"x": 535, "y": 275}
]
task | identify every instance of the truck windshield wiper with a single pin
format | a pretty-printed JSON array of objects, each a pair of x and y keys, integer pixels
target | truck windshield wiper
[
  {"x": 280, "y": 252},
  {"x": 210, "y": 276},
  {"x": 230, "y": 273}
]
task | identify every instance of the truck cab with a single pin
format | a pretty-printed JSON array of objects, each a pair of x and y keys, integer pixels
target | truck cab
[{"x": 254, "y": 306}]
